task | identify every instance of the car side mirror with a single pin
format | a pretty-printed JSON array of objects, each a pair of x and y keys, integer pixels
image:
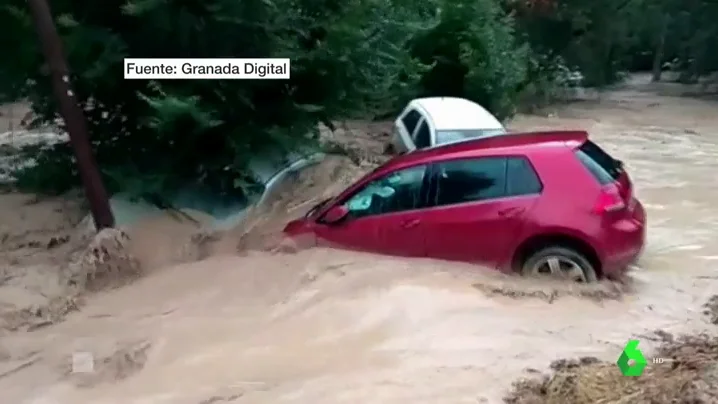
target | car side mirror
[{"x": 336, "y": 214}]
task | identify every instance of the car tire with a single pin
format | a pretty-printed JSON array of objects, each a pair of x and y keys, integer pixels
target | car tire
[{"x": 570, "y": 262}]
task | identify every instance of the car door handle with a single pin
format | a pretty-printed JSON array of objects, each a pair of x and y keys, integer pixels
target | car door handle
[
  {"x": 508, "y": 212},
  {"x": 410, "y": 223}
]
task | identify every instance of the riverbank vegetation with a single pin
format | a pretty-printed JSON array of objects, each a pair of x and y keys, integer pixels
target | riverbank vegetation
[{"x": 350, "y": 59}]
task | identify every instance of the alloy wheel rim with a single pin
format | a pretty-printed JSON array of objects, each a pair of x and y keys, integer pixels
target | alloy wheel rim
[{"x": 560, "y": 267}]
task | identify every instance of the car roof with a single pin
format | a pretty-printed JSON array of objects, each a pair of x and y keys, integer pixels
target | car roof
[
  {"x": 520, "y": 142},
  {"x": 449, "y": 113}
]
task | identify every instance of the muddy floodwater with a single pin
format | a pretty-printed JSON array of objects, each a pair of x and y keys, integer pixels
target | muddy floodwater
[{"x": 330, "y": 327}]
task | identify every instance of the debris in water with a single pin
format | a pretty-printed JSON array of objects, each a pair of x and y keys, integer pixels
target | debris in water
[
  {"x": 711, "y": 309},
  {"x": 551, "y": 291}
]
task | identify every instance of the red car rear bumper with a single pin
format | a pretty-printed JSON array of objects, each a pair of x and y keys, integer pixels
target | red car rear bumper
[{"x": 627, "y": 242}]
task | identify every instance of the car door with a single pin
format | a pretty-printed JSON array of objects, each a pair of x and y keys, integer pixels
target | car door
[
  {"x": 474, "y": 217},
  {"x": 385, "y": 216}
]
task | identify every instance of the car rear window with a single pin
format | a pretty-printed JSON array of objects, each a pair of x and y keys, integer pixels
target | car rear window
[{"x": 604, "y": 168}]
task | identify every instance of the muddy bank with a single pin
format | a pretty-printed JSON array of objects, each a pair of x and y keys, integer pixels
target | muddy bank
[
  {"x": 36, "y": 243},
  {"x": 45, "y": 243}
]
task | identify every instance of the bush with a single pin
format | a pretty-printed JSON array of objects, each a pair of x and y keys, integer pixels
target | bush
[
  {"x": 549, "y": 79},
  {"x": 350, "y": 59},
  {"x": 155, "y": 136},
  {"x": 473, "y": 54}
]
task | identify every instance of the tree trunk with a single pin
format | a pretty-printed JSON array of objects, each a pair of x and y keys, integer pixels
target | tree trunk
[
  {"x": 72, "y": 114},
  {"x": 660, "y": 50}
]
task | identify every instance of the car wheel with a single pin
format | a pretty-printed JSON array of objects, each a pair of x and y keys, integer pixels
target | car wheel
[{"x": 560, "y": 262}]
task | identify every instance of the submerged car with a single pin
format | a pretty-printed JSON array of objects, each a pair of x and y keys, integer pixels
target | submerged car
[
  {"x": 436, "y": 121},
  {"x": 551, "y": 203}
]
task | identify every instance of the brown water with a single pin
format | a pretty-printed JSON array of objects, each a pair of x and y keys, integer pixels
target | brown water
[{"x": 325, "y": 326}]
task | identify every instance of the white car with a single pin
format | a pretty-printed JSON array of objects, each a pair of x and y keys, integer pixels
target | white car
[{"x": 435, "y": 121}]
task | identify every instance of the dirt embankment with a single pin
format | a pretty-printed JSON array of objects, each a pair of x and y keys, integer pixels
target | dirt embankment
[{"x": 50, "y": 259}]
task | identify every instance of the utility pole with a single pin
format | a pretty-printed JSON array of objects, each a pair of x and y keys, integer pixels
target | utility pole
[{"x": 72, "y": 114}]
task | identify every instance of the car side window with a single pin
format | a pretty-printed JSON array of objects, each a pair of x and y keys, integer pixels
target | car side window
[
  {"x": 423, "y": 136},
  {"x": 410, "y": 120},
  {"x": 471, "y": 180},
  {"x": 395, "y": 192},
  {"x": 522, "y": 178}
]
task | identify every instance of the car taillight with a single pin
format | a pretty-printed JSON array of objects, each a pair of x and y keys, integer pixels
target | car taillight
[{"x": 609, "y": 201}]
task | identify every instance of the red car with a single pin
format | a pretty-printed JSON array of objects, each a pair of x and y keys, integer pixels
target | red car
[{"x": 534, "y": 203}]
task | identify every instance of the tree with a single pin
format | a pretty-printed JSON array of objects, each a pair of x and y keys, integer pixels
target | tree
[
  {"x": 155, "y": 136},
  {"x": 473, "y": 54},
  {"x": 355, "y": 58}
]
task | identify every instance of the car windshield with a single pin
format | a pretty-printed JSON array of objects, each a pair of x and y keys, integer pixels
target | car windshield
[{"x": 450, "y": 136}]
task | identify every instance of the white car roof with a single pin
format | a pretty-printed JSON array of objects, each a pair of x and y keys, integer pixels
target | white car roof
[{"x": 449, "y": 113}]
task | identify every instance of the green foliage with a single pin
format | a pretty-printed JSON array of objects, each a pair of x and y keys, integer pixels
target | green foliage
[
  {"x": 350, "y": 59},
  {"x": 548, "y": 80},
  {"x": 473, "y": 54},
  {"x": 588, "y": 36},
  {"x": 157, "y": 136},
  {"x": 21, "y": 47},
  {"x": 603, "y": 39},
  {"x": 54, "y": 172}
]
